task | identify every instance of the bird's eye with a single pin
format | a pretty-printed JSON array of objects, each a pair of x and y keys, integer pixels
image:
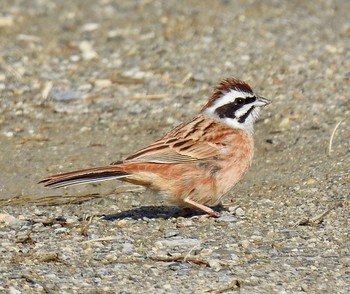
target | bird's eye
[{"x": 239, "y": 101}]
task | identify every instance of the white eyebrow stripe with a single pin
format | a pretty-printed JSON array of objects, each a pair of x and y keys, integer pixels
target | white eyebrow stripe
[{"x": 227, "y": 98}]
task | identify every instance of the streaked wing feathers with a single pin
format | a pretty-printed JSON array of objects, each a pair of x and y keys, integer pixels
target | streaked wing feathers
[{"x": 198, "y": 139}]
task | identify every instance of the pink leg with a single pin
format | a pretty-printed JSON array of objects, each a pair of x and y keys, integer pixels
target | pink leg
[{"x": 202, "y": 207}]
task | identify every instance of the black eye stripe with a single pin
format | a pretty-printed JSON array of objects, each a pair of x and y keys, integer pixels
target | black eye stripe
[
  {"x": 229, "y": 109},
  {"x": 249, "y": 100}
]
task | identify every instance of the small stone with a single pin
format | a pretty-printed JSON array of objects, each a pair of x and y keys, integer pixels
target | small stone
[
  {"x": 233, "y": 209},
  {"x": 85, "y": 46},
  {"x": 177, "y": 242},
  {"x": 74, "y": 58},
  {"x": 13, "y": 290},
  {"x": 239, "y": 212},
  {"x": 89, "y": 55},
  {"x": 127, "y": 248},
  {"x": 227, "y": 218},
  {"x": 331, "y": 49},
  {"x": 311, "y": 182},
  {"x": 122, "y": 223},
  {"x": 234, "y": 257},
  {"x": 284, "y": 122},
  {"x": 6, "y": 21},
  {"x": 66, "y": 95},
  {"x": 71, "y": 220},
  {"x": 8, "y": 134},
  {"x": 87, "y": 51},
  {"x": 215, "y": 264},
  {"x": 245, "y": 243},
  {"x": 89, "y": 27},
  {"x": 185, "y": 223},
  {"x": 103, "y": 83},
  {"x": 61, "y": 230},
  {"x": 38, "y": 212},
  {"x": 8, "y": 219},
  {"x": 167, "y": 287},
  {"x": 206, "y": 251}
]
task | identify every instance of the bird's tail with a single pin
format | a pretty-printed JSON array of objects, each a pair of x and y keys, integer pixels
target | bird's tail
[{"x": 84, "y": 176}]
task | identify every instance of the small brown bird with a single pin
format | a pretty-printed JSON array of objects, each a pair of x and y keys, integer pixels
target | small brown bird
[{"x": 196, "y": 163}]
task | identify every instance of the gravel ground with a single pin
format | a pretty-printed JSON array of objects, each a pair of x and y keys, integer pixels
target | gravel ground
[{"x": 84, "y": 83}]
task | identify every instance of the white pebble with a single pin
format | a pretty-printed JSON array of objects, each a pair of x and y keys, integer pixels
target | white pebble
[
  {"x": 89, "y": 27},
  {"x": 102, "y": 83}
]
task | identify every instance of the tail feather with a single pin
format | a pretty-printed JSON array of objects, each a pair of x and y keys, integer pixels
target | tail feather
[{"x": 83, "y": 176}]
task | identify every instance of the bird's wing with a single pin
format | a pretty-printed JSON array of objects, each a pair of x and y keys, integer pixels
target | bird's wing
[
  {"x": 179, "y": 151},
  {"x": 199, "y": 139}
]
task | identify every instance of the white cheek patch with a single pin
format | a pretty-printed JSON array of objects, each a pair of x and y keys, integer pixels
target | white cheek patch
[{"x": 243, "y": 110}]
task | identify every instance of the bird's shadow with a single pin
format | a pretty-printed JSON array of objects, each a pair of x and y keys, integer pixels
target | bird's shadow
[{"x": 157, "y": 212}]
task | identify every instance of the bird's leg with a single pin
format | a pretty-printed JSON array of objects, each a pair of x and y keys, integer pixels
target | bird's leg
[{"x": 202, "y": 207}]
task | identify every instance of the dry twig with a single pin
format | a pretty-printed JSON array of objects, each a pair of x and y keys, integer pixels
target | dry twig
[
  {"x": 332, "y": 137},
  {"x": 314, "y": 221},
  {"x": 103, "y": 239},
  {"x": 85, "y": 226},
  {"x": 180, "y": 259}
]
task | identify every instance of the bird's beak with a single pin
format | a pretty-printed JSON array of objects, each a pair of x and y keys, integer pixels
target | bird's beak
[{"x": 261, "y": 101}]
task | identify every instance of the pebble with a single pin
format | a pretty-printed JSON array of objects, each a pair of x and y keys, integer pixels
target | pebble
[
  {"x": 331, "y": 48},
  {"x": 128, "y": 248},
  {"x": 6, "y": 21},
  {"x": 75, "y": 58},
  {"x": 9, "y": 134},
  {"x": 185, "y": 223},
  {"x": 71, "y": 220},
  {"x": 100, "y": 84},
  {"x": 284, "y": 122},
  {"x": 13, "y": 290},
  {"x": 177, "y": 242},
  {"x": 227, "y": 218},
  {"x": 234, "y": 257},
  {"x": 68, "y": 95},
  {"x": 232, "y": 209},
  {"x": 89, "y": 55},
  {"x": 61, "y": 230},
  {"x": 87, "y": 50},
  {"x": 9, "y": 220},
  {"x": 89, "y": 27},
  {"x": 245, "y": 243},
  {"x": 239, "y": 212},
  {"x": 122, "y": 223},
  {"x": 215, "y": 264}
]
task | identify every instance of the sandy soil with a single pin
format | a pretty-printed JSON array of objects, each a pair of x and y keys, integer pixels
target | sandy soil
[{"x": 84, "y": 83}]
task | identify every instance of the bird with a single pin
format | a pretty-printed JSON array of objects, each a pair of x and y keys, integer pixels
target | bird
[{"x": 198, "y": 162}]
